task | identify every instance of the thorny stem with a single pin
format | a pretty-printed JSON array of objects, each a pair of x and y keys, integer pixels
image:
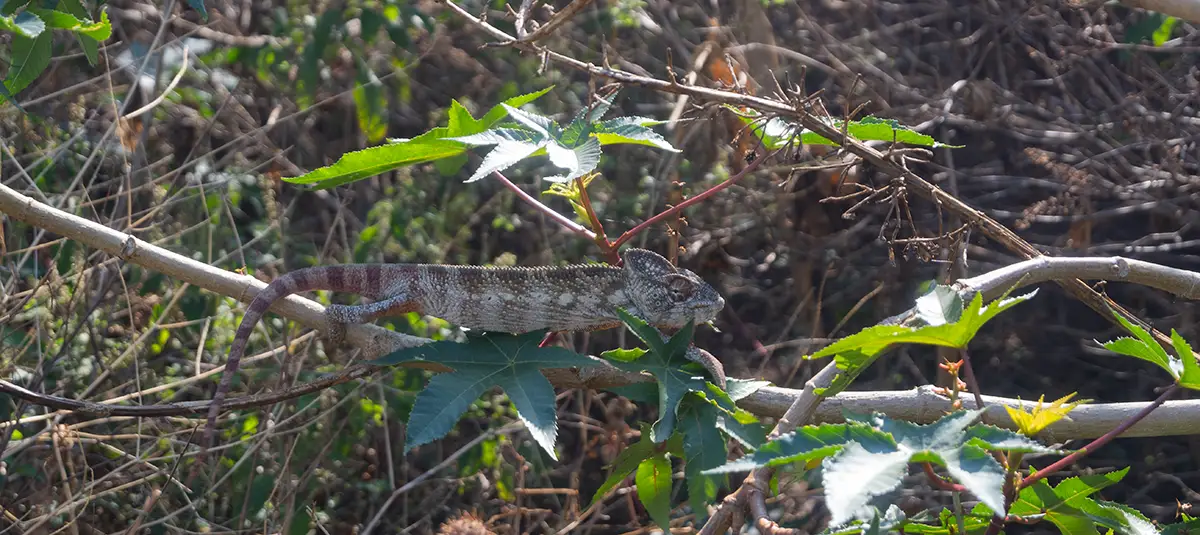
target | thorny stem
[
  {"x": 629, "y": 234},
  {"x": 1100, "y": 442},
  {"x": 557, "y": 217}
]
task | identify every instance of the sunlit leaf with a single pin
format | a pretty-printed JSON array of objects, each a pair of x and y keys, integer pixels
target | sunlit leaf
[{"x": 513, "y": 363}]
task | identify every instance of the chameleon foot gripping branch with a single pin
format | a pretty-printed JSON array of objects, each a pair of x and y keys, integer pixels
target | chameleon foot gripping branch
[{"x": 498, "y": 299}]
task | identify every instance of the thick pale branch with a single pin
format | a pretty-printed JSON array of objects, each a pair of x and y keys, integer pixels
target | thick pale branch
[
  {"x": 992, "y": 284},
  {"x": 131, "y": 249}
]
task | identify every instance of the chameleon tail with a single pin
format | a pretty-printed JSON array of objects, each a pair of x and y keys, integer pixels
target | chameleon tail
[{"x": 347, "y": 277}]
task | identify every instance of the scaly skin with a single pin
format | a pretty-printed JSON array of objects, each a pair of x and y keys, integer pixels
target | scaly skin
[{"x": 497, "y": 299}]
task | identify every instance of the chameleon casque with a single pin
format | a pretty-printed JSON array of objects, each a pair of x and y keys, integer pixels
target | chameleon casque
[{"x": 498, "y": 299}]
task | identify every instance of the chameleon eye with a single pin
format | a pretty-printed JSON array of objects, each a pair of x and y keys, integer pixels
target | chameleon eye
[{"x": 680, "y": 288}]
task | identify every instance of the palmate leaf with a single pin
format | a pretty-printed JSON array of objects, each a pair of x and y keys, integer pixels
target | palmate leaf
[
  {"x": 512, "y": 363},
  {"x": 809, "y": 443},
  {"x": 664, "y": 362},
  {"x": 1069, "y": 506},
  {"x": 867, "y": 457},
  {"x": 579, "y": 161},
  {"x": 372, "y": 161},
  {"x": 575, "y": 148},
  {"x": 703, "y": 448},
  {"x": 434, "y": 145},
  {"x": 633, "y": 130},
  {"x": 505, "y": 155}
]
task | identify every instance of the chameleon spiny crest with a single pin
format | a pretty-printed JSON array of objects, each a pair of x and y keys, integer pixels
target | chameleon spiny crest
[{"x": 498, "y": 299}]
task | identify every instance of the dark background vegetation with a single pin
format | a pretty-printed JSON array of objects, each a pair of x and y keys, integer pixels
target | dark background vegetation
[{"x": 1080, "y": 132}]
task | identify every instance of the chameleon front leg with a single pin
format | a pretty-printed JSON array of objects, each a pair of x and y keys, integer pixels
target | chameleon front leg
[{"x": 710, "y": 363}]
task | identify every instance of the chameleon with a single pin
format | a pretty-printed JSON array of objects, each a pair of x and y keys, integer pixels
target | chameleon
[{"x": 498, "y": 299}]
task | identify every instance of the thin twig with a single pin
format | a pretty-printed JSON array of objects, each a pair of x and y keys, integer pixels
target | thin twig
[
  {"x": 629, "y": 234},
  {"x": 550, "y": 212}
]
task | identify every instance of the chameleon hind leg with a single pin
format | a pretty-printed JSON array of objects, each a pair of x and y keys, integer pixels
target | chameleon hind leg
[{"x": 338, "y": 316}]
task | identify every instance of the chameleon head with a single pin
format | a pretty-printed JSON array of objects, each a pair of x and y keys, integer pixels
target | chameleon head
[{"x": 668, "y": 296}]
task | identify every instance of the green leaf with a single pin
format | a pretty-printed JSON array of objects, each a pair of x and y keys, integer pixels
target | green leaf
[
  {"x": 371, "y": 21},
  {"x": 993, "y": 438},
  {"x": 872, "y": 340},
  {"x": 855, "y": 476},
  {"x": 624, "y": 355},
  {"x": 777, "y": 133},
  {"x": 737, "y": 389},
  {"x": 581, "y": 126},
  {"x": 59, "y": 20},
  {"x": 1119, "y": 517},
  {"x": 734, "y": 421},
  {"x": 626, "y": 462},
  {"x": 1188, "y": 525},
  {"x": 1144, "y": 347},
  {"x": 960, "y": 332},
  {"x": 505, "y": 155},
  {"x": 1163, "y": 32},
  {"x": 867, "y": 457},
  {"x": 1069, "y": 507},
  {"x": 810, "y": 443},
  {"x": 940, "y": 306},
  {"x": 578, "y": 161},
  {"x": 29, "y": 58},
  {"x": 512, "y": 363},
  {"x": 654, "y": 488},
  {"x": 24, "y": 24},
  {"x": 869, "y": 341},
  {"x": 499, "y": 111},
  {"x": 892, "y": 520},
  {"x": 541, "y": 124},
  {"x": 631, "y": 130},
  {"x": 91, "y": 47},
  {"x": 460, "y": 121},
  {"x": 1190, "y": 378},
  {"x": 703, "y": 449},
  {"x": 975, "y": 522},
  {"x": 497, "y": 136},
  {"x": 663, "y": 361},
  {"x": 380, "y": 159}
]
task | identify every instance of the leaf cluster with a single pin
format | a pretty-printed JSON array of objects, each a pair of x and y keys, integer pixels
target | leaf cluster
[
  {"x": 575, "y": 147},
  {"x": 32, "y": 39}
]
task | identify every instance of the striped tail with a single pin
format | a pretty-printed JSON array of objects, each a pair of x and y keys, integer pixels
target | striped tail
[{"x": 354, "y": 278}]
